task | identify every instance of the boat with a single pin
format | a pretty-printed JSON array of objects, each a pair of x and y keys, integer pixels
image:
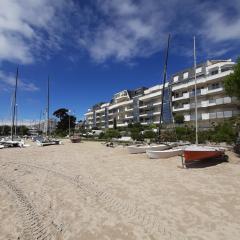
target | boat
[
  {"x": 47, "y": 140},
  {"x": 75, "y": 139},
  {"x": 193, "y": 153},
  {"x": 197, "y": 152},
  {"x": 135, "y": 149},
  {"x": 13, "y": 140},
  {"x": 164, "y": 153}
]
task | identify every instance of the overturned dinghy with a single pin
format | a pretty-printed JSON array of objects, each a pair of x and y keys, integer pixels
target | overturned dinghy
[
  {"x": 164, "y": 153},
  {"x": 7, "y": 143},
  {"x": 48, "y": 142},
  {"x": 134, "y": 149}
]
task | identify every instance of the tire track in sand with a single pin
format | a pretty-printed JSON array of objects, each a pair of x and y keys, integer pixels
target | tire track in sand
[
  {"x": 33, "y": 227},
  {"x": 126, "y": 209}
]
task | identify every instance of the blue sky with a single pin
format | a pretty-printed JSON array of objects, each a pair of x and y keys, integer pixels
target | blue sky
[{"x": 93, "y": 49}]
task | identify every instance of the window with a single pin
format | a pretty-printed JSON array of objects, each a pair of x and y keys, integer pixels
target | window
[
  {"x": 215, "y": 86},
  {"x": 185, "y": 75},
  {"x": 214, "y": 72},
  {"x": 198, "y": 70},
  {"x": 175, "y": 79}
]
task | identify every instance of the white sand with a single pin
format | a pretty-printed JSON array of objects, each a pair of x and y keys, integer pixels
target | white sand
[{"x": 88, "y": 191}]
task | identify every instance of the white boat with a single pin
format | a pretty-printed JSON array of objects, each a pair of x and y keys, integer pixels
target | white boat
[
  {"x": 134, "y": 149},
  {"x": 164, "y": 153},
  {"x": 48, "y": 142},
  {"x": 6, "y": 143}
]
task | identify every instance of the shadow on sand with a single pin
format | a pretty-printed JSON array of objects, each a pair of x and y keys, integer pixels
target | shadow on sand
[{"x": 207, "y": 162}]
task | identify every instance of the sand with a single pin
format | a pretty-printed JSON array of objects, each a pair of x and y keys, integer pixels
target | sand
[{"x": 87, "y": 191}]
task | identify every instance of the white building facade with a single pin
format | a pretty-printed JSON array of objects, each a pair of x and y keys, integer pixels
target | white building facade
[{"x": 144, "y": 104}]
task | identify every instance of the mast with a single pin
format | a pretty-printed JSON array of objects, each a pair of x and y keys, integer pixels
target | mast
[
  {"x": 16, "y": 119},
  {"x": 40, "y": 119},
  {"x": 14, "y": 104},
  {"x": 195, "y": 77},
  {"x": 48, "y": 100},
  {"x": 163, "y": 89}
]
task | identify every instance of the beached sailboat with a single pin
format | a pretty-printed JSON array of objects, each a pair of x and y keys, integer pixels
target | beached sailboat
[
  {"x": 168, "y": 151},
  {"x": 13, "y": 140},
  {"x": 47, "y": 140},
  {"x": 158, "y": 147},
  {"x": 196, "y": 152}
]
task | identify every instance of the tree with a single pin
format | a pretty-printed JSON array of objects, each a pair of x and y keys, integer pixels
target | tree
[
  {"x": 64, "y": 119},
  {"x": 232, "y": 82},
  {"x": 114, "y": 123},
  {"x": 179, "y": 118},
  {"x": 61, "y": 113}
]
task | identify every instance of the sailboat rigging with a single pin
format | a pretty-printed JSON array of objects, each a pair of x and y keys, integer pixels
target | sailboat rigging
[{"x": 163, "y": 88}]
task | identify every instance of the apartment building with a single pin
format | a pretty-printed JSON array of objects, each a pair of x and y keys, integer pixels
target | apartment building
[{"x": 144, "y": 104}]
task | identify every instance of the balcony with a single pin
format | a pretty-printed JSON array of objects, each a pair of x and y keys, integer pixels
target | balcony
[
  {"x": 214, "y": 90},
  {"x": 181, "y": 108},
  {"x": 184, "y": 96},
  {"x": 203, "y": 79}
]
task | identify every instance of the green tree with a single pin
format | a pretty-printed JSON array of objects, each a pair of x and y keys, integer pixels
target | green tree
[
  {"x": 179, "y": 118},
  {"x": 136, "y": 130},
  {"x": 64, "y": 119},
  {"x": 232, "y": 82},
  {"x": 112, "y": 133},
  {"x": 150, "y": 134}
]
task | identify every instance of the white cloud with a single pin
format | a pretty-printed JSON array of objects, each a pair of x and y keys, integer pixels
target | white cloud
[
  {"x": 8, "y": 80},
  {"x": 28, "y": 27},
  {"x": 219, "y": 27},
  {"x": 127, "y": 29},
  {"x": 113, "y": 29}
]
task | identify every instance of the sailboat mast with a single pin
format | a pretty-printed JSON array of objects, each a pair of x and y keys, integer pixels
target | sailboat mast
[
  {"x": 195, "y": 77},
  {"x": 14, "y": 104},
  {"x": 48, "y": 100},
  {"x": 163, "y": 89}
]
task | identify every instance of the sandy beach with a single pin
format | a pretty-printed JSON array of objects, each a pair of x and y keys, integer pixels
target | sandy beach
[{"x": 87, "y": 191}]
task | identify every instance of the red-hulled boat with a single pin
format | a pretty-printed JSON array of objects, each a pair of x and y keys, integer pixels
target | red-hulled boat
[{"x": 193, "y": 153}]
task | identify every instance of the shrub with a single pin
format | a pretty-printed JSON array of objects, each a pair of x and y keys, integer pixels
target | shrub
[
  {"x": 224, "y": 132},
  {"x": 185, "y": 133},
  {"x": 179, "y": 118},
  {"x": 168, "y": 136},
  {"x": 112, "y": 133},
  {"x": 136, "y": 135},
  {"x": 102, "y": 135},
  {"x": 150, "y": 134}
]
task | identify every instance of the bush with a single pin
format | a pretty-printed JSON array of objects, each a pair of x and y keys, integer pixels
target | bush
[
  {"x": 136, "y": 135},
  {"x": 102, "y": 135},
  {"x": 150, "y": 134},
  {"x": 112, "y": 133},
  {"x": 179, "y": 118},
  {"x": 224, "y": 132},
  {"x": 168, "y": 136},
  {"x": 185, "y": 133}
]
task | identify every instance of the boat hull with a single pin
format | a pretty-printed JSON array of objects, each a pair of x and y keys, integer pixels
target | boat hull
[
  {"x": 201, "y": 154},
  {"x": 164, "y": 154},
  {"x": 143, "y": 148}
]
